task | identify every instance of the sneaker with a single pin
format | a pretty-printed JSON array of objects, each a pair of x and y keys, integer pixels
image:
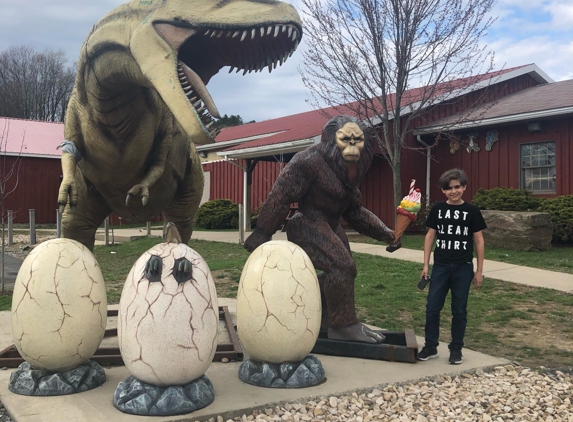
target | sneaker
[
  {"x": 455, "y": 357},
  {"x": 428, "y": 353}
]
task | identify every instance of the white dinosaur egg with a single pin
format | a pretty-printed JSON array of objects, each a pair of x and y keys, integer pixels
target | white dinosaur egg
[
  {"x": 278, "y": 303},
  {"x": 59, "y": 306},
  {"x": 168, "y": 316}
]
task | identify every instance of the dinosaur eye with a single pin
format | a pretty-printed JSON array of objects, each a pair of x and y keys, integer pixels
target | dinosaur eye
[
  {"x": 153, "y": 268},
  {"x": 182, "y": 270}
]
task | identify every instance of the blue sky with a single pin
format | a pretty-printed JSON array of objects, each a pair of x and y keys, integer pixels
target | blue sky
[{"x": 526, "y": 31}]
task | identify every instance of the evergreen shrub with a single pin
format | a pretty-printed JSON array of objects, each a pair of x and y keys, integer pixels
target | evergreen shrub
[
  {"x": 561, "y": 210},
  {"x": 506, "y": 199},
  {"x": 218, "y": 214}
]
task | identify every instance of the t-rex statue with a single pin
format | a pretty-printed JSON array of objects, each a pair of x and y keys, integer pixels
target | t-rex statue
[{"x": 140, "y": 104}]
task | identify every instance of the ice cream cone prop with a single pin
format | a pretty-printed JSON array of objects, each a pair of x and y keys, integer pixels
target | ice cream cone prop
[{"x": 407, "y": 210}]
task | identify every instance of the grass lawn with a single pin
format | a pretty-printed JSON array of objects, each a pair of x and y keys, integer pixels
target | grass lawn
[
  {"x": 532, "y": 326},
  {"x": 559, "y": 258}
]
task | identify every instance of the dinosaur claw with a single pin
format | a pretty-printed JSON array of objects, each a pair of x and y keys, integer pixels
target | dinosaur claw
[
  {"x": 144, "y": 200},
  {"x": 62, "y": 208},
  {"x": 127, "y": 199}
]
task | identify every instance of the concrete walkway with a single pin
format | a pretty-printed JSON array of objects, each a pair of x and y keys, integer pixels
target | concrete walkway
[{"x": 492, "y": 269}]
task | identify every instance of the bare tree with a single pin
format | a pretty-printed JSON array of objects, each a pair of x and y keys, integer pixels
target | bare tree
[
  {"x": 9, "y": 169},
  {"x": 391, "y": 61},
  {"x": 35, "y": 85}
]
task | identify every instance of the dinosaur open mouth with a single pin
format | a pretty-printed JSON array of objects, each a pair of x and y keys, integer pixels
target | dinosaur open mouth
[{"x": 202, "y": 52}]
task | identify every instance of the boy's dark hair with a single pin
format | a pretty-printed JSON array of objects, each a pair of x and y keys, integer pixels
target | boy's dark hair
[{"x": 453, "y": 174}]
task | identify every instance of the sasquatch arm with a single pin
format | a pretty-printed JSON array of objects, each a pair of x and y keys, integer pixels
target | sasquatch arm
[
  {"x": 365, "y": 222},
  {"x": 291, "y": 185}
]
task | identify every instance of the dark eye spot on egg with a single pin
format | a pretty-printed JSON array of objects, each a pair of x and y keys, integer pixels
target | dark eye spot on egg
[
  {"x": 153, "y": 268},
  {"x": 182, "y": 270}
]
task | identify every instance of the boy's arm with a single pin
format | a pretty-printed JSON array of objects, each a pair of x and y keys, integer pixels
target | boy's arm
[
  {"x": 428, "y": 242},
  {"x": 480, "y": 252}
]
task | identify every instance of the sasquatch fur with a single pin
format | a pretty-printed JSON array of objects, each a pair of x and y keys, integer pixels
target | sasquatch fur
[{"x": 326, "y": 189}]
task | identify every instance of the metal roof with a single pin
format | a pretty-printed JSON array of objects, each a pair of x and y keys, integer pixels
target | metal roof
[
  {"x": 30, "y": 137},
  {"x": 547, "y": 100}
]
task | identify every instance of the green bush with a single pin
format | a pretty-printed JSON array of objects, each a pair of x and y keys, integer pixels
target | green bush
[
  {"x": 506, "y": 199},
  {"x": 561, "y": 210},
  {"x": 218, "y": 214}
]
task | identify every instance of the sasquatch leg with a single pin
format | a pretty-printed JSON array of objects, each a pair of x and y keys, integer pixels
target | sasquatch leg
[
  {"x": 329, "y": 251},
  {"x": 81, "y": 222}
]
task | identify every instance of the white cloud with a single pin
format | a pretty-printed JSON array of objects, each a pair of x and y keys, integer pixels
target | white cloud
[{"x": 562, "y": 13}]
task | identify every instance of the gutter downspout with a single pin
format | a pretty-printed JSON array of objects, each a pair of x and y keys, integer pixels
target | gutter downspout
[{"x": 428, "y": 161}]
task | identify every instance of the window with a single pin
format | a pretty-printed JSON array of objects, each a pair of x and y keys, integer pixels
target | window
[{"x": 538, "y": 167}]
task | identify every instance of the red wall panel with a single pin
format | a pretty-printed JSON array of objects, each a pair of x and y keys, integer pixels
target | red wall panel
[{"x": 35, "y": 184}]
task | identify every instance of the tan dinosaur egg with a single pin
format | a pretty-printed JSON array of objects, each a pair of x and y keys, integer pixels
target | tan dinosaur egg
[
  {"x": 278, "y": 303},
  {"x": 168, "y": 316},
  {"x": 59, "y": 306}
]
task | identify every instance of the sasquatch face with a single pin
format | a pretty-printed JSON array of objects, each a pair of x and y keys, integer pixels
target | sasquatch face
[{"x": 350, "y": 142}]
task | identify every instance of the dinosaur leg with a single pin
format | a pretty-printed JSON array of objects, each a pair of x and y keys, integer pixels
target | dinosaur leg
[
  {"x": 81, "y": 222},
  {"x": 184, "y": 207}
]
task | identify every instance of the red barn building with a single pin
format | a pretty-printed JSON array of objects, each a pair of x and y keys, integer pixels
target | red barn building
[
  {"x": 520, "y": 137},
  {"x": 30, "y": 170}
]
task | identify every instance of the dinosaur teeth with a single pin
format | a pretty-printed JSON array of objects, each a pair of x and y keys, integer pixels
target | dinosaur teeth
[
  {"x": 269, "y": 29},
  {"x": 231, "y": 69},
  {"x": 289, "y": 30},
  {"x": 199, "y": 89},
  {"x": 262, "y": 31},
  {"x": 277, "y": 28},
  {"x": 236, "y": 34},
  {"x": 244, "y": 35},
  {"x": 207, "y": 32},
  {"x": 253, "y": 32}
]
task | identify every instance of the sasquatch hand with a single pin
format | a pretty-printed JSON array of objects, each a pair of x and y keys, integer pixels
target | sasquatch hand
[
  {"x": 256, "y": 239},
  {"x": 394, "y": 247}
]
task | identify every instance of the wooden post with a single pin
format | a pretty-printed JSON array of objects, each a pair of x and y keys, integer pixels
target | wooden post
[
  {"x": 10, "y": 227},
  {"x": 106, "y": 225},
  {"x": 58, "y": 223},
  {"x": 241, "y": 226},
  {"x": 32, "y": 227},
  {"x": 149, "y": 228}
]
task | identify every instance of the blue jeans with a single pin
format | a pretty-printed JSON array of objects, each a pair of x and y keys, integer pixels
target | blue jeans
[{"x": 456, "y": 278}]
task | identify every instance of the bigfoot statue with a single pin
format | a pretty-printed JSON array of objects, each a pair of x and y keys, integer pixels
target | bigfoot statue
[{"x": 324, "y": 180}]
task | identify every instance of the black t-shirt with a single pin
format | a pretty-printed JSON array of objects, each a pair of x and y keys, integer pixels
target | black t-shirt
[{"x": 455, "y": 226}]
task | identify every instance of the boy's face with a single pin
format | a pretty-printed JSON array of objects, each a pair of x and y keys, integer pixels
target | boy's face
[{"x": 454, "y": 192}]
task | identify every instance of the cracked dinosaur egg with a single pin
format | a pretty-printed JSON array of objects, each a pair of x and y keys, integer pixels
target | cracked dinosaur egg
[
  {"x": 168, "y": 316},
  {"x": 59, "y": 306},
  {"x": 278, "y": 303}
]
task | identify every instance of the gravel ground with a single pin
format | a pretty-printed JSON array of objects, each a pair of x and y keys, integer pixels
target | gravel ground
[{"x": 507, "y": 393}]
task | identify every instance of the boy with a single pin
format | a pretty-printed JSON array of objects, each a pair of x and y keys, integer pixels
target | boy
[{"x": 455, "y": 225}]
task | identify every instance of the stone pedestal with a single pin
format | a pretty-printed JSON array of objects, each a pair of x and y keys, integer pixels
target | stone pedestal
[
  {"x": 38, "y": 382},
  {"x": 307, "y": 373}
]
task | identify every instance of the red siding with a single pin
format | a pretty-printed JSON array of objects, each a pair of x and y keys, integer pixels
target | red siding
[
  {"x": 36, "y": 187},
  {"x": 500, "y": 167},
  {"x": 227, "y": 181}
]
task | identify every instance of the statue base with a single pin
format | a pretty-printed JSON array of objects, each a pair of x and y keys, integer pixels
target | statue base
[
  {"x": 398, "y": 346},
  {"x": 307, "y": 373},
  {"x": 38, "y": 382},
  {"x": 139, "y": 398}
]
